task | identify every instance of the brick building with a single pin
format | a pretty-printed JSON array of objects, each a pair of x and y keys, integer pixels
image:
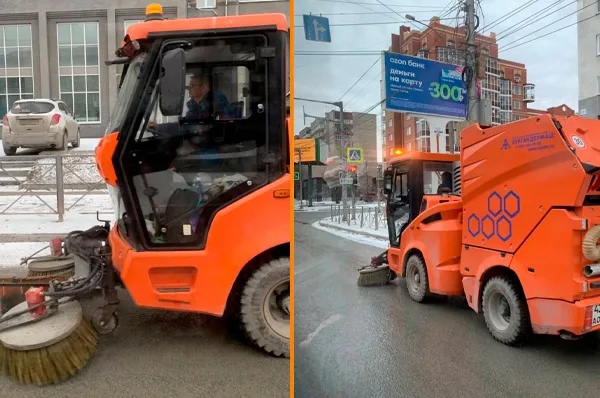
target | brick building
[{"x": 503, "y": 82}]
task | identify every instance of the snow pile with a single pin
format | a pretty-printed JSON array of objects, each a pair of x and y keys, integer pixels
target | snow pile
[{"x": 78, "y": 172}]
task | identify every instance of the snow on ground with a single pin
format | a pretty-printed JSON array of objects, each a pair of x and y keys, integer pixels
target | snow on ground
[
  {"x": 326, "y": 205},
  {"x": 86, "y": 144},
  {"x": 380, "y": 233},
  {"x": 353, "y": 236},
  {"x": 12, "y": 253}
]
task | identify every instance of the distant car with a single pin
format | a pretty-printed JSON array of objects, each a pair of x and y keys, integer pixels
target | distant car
[{"x": 39, "y": 123}]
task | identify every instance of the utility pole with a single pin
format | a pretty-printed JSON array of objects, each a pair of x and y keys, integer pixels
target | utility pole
[{"x": 472, "y": 102}]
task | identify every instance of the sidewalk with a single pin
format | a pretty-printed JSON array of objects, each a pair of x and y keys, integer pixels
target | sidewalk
[
  {"x": 21, "y": 235},
  {"x": 326, "y": 205},
  {"x": 368, "y": 227}
]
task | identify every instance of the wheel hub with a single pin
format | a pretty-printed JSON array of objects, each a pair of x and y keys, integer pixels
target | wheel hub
[
  {"x": 277, "y": 308},
  {"x": 500, "y": 312}
]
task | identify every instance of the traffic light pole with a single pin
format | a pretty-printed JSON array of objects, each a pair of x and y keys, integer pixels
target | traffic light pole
[{"x": 340, "y": 105}]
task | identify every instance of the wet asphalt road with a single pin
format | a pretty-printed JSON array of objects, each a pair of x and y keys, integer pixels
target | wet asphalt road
[
  {"x": 353, "y": 341},
  {"x": 156, "y": 354}
]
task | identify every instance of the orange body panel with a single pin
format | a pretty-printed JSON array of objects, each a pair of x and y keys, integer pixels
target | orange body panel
[
  {"x": 521, "y": 208},
  {"x": 141, "y": 30},
  {"x": 201, "y": 280},
  {"x": 439, "y": 243},
  {"x": 104, "y": 154},
  {"x": 425, "y": 156},
  {"x": 500, "y": 165}
]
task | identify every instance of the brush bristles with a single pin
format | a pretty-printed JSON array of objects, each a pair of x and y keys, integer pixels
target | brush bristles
[
  {"x": 51, "y": 274},
  {"x": 52, "y": 364},
  {"x": 379, "y": 277}
]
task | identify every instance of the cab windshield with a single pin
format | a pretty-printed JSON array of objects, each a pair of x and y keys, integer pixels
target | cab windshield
[{"x": 125, "y": 96}]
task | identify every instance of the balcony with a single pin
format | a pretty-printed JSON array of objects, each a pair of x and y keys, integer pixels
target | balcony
[{"x": 529, "y": 93}]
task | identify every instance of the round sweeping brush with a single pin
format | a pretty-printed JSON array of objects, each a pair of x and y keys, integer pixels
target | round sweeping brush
[
  {"x": 50, "y": 350},
  {"x": 52, "y": 267}
]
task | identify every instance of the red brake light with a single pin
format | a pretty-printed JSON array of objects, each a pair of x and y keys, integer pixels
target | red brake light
[
  {"x": 55, "y": 119},
  {"x": 587, "y": 320}
]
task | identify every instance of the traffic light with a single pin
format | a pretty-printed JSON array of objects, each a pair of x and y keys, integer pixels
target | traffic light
[
  {"x": 397, "y": 151},
  {"x": 352, "y": 168}
]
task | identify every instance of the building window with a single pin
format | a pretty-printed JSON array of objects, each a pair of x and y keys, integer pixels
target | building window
[
  {"x": 517, "y": 90},
  {"x": 391, "y": 137},
  {"x": 598, "y": 84},
  {"x": 391, "y": 151},
  {"x": 408, "y": 130},
  {"x": 598, "y": 3},
  {"x": 79, "y": 71},
  {"x": 407, "y": 116},
  {"x": 390, "y": 122},
  {"x": 409, "y": 146},
  {"x": 517, "y": 105},
  {"x": 16, "y": 64},
  {"x": 597, "y": 44},
  {"x": 423, "y": 136}
]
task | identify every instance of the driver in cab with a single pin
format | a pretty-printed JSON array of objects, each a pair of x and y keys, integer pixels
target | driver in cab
[{"x": 203, "y": 104}]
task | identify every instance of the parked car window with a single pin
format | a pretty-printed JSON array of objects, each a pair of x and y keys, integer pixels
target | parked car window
[{"x": 32, "y": 107}]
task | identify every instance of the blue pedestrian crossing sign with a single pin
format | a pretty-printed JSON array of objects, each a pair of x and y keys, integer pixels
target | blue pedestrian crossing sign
[
  {"x": 355, "y": 155},
  {"x": 296, "y": 176},
  {"x": 316, "y": 28}
]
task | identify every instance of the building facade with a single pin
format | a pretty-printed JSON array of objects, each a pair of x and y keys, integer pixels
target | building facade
[
  {"x": 50, "y": 50},
  {"x": 360, "y": 131},
  {"x": 503, "y": 82},
  {"x": 588, "y": 57}
]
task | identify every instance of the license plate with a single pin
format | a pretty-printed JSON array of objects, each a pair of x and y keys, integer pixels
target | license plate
[{"x": 596, "y": 315}]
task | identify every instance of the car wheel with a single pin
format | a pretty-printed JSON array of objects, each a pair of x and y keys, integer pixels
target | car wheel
[
  {"x": 77, "y": 141},
  {"x": 11, "y": 151},
  {"x": 65, "y": 142}
]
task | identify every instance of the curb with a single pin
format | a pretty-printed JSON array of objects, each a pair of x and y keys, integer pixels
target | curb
[
  {"x": 340, "y": 228},
  {"x": 24, "y": 238}
]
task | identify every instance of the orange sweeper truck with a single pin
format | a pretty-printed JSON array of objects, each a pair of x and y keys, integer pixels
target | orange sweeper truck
[
  {"x": 196, "y": 158},
  {"x": 511, "y": 224}
]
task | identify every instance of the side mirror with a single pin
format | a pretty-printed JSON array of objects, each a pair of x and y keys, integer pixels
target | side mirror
[
  {"x": 172, "y": 82},
  {"x": 387, "y": 182}
]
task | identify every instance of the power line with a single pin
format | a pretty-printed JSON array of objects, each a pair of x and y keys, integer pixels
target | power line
[
  {"x": 360, "y": 78},
  {"x": 375, "y": 4},
  {"x": 365, "y": 13},
  {"x": 545, "y": 26},
  {"x": 508, "y": 15},
  {"x": 361, "y": 23},
  {"x": 550, "y": 33},
  {"x": 528, "y": 20}
]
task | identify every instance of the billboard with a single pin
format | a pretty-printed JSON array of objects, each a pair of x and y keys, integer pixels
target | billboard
[
  {"x": 312, "y": 150},
  {"x": 419, "y": 85}
]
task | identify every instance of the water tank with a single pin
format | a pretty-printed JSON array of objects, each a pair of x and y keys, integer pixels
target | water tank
[{"x": 529, "y": 92}]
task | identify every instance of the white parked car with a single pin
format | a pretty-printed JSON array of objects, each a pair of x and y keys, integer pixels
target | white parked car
[{"x": 39, "y": 123}]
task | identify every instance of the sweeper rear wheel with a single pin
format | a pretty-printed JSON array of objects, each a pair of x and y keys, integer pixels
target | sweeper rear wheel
[{"x": 50, "y": 350}]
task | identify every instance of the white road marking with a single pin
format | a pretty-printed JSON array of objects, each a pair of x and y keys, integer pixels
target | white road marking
[{"x": 333, "y": 319}]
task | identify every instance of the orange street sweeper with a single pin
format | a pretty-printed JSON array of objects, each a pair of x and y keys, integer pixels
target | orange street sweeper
[
  {"x": 196, "y": 157},
  {"x": 512, "y": 225}
]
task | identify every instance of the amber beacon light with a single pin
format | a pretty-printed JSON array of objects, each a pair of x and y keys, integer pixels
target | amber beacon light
[{"x": 154, "y": 11}]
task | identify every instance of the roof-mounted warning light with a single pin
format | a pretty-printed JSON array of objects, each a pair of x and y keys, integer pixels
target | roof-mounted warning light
[{"x": 154, "y": 12}]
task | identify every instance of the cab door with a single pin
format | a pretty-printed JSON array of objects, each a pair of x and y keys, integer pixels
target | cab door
[{"x": 396, "y": 180}]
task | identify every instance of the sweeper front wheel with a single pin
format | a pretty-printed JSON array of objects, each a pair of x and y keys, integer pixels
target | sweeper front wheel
[
  {"x": 50, "y": 350},
  {"x": 265, "y": 307},
  {"x": 101, "y": 327}
]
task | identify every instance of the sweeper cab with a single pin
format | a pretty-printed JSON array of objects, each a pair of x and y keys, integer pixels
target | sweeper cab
[
  {"x": 196, "y": 159},
  {"x": 511, "y": 224}
]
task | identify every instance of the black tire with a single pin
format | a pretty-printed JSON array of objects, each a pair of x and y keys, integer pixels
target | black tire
[
  {"x": 416, "y": 278},
  {"x": 11, "y": 151},
  {"x": 498, "y": 292},
  {"x": 259, "y": 323},
  {"x": 77, "y": 141}
]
